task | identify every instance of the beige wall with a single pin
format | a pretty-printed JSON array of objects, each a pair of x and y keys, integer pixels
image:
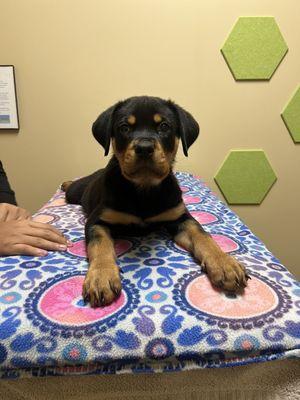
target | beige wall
[{"x": 74, "y": 58}]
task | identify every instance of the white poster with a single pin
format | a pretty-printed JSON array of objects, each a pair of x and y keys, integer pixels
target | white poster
[{"x": 8, "y": 99}]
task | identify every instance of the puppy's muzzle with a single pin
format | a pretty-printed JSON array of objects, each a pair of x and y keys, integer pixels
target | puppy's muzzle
[{"x": 144, "y": 148}]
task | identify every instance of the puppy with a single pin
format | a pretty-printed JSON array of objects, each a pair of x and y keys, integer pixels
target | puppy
[{"x": 137, "y": 192}]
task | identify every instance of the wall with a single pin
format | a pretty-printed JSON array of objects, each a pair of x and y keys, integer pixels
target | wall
[{"x": 74, "y": 58}]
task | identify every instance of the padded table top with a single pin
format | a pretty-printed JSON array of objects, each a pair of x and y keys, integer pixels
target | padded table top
[{"x": 168, "y": 317}]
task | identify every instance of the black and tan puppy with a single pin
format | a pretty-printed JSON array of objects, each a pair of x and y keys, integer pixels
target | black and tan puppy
[{"x": 138, "y": 192}]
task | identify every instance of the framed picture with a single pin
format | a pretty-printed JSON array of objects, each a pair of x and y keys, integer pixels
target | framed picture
[{"x": 9, "y": 118}]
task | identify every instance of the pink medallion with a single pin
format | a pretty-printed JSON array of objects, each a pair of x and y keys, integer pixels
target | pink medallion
[
  {"x": 62, "y": 303},
  {"x": 191, "y": 199},
  {"x": 203, "y": 217},
  {"x": 225, "y": 243},
  {"x": 258, "y": 298},
  {"x": 78, "y": 248},
  {"x": 184, "y": 189},
  {"x": 55, "y": 203},
  {"x": 44, "y": 218}
]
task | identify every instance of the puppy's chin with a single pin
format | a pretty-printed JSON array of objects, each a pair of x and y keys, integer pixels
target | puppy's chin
[{"x": 146, "y": 176}]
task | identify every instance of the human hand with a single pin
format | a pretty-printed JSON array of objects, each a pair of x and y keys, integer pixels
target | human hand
[
  {"x": 9, "y": 212},
  {"x": 29, "y": 238}
]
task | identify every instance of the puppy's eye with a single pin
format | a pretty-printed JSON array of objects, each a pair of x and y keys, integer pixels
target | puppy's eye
[
  {"x": 124, "y": 128},
  {"x": 164, "y": 127}
]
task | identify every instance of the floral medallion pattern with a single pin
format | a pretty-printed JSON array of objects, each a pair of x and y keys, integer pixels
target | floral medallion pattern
[{"x": 167, "y": 312}]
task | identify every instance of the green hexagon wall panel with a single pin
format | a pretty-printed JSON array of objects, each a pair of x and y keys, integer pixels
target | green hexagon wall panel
[
  {"x": 254, "y": 48},
  {"x": 291, "y": 116},
  {"x": 245, "y": 177}
]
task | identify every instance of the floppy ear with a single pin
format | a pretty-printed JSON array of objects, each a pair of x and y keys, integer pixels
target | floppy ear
[
  {"x": 188, "y": 127},
  {"x": 103, "y": 127}
]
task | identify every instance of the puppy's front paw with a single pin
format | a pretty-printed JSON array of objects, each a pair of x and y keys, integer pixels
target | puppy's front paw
[
  {"x": 226, "y": 272},
  {"x": 101, "y": 285}
]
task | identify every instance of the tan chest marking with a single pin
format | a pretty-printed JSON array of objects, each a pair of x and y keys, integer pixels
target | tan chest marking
[
  {"x": 169, "y": 215},
  {"x": 117, "y": 217}
]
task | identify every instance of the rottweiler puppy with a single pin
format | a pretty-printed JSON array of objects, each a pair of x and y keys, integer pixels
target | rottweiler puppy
[{"x": 137, "y": 192}]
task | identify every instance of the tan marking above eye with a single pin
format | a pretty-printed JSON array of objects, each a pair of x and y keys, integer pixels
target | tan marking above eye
[
  {"x": 131, "y": 119},
  {"x": 157, "y": 118}
]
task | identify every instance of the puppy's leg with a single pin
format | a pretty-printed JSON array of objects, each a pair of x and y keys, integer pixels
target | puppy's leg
[
  {"x": 102, "y": 282},
  {"x": 223, "y": 270},
  {"x": 75, "y": 189}
]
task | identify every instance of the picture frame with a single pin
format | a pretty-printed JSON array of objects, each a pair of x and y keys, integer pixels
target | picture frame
[{"x": 9, "y": 115}]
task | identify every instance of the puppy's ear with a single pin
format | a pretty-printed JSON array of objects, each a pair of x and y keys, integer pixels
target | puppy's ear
[
  {"x": 103, "y": 127},
  {"x": 188, "y": 127}
]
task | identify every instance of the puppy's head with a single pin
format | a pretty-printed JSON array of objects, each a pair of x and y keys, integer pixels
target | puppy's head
[{"x": 145, "y": 133}]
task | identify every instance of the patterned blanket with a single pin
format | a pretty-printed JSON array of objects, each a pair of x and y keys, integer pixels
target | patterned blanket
[{"x": 168, "y": 317}]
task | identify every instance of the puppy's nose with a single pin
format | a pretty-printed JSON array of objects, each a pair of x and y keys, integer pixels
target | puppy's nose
[{"x": 144, "y": 148}]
